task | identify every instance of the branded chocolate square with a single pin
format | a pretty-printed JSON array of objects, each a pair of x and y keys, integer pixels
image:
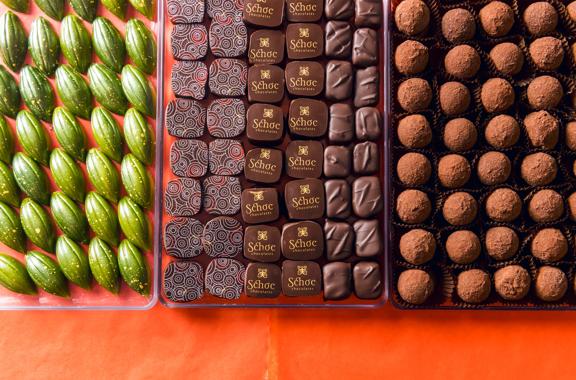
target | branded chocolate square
[
  {"x": 189, "y": 79},
  {"x": 337, "y": 280},
  {"x": 260, "y": 205},
  {"x": 366, "y": 158},
  {"x": 365, "y": 48},
  {"x": 337, "y": 161},
  {"x": 228, "y": 77},
  {"x": 304, "y": 78},
  {"x": 308, "y": 117},
  {"x": 339, "y": 9},
  {"x": 266, "y": 46},
  {"x": 265, "y": 84},
  {"x": 189, "y": 41},
  {"x": 263, "y": 280},
  {"x": 368, "y": 123},
  {"x": 304, "y": 159},
  {"x": 268, "y": 13},
  {"x": 368, "y": 240},
  {"x": 305, "y": 199},
  {"x": 339, "y": 80},
  {"x": 264, "y": 123},
  {"x": 262, "y": 243},
  {"x": 263, "y": 165},
  {"x": 302, "y": 240},
  {"x": 368, "y": 13},
  {"x": 337, "y": 198},
  {"x": 301, "y": 278},
  {"x": 304, "y": 10},
  {"x": 366, "y": 196},
  {"x": 341, "y": 125},
  {"x": 338, "y": 39},
  {"x": 366, "y": 90},
  {"x": 339, "y": 240},
  {"x": 367, "y": 280},
  {"x": 304, "y": 41}
]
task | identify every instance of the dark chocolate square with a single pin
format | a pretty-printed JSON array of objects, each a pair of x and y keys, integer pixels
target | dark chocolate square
[
  {"x": 266, "y": 46},
  {"x": 304, "y": 10},
  {"x": 185, "y": 11},
  {"x": 264, "y": 123},
  {"x": 228, "y": 77},
  {"x": 226, "y": 118},
  {"x": 185, "y": 118},
  {"x": 304, "y": 41},
  {"x": 267, "y": 13},
  {"x": 183, "y": 281},
  {"x": 228, "y": 37},
  {"x": 339, "y": 240},
  {"x": 339, "y": 80},
  {"x": 222, "y": 237},
  {"x": 304, "y": 78},
  {"x": 262, "y": 243},
  {"x": 339, "y": 9},
  {"x": 304, "y": 159},
  {"x": 263, "y": 165},
  {"x": 368, "y": 240},
  {"x": 366, "y": 158},
  {"x": 265, "y": 84},
  {"x": 365, "y": 47},
  {"x": 305, "y": 199},
  {"x": 189, "y": 158},
  {"x": 189, "y": 41},
  {"x": 366, "y": 196},
  {"x": 232, "y": 8},
  {"x": 301, "y": 278},
  {"x": 337, "y": 199},
  {"x": 367, "y": 280},
  {"x": 263, "y": 280},
  {"x": 308, "y": 117},
  {"x": 366, "y": 91},
  {"x": 183, "y": 238},
  {"x": 368, "y": 13},
  {"x": 189, "y": 79},
  {"x": 368, "y": 123},
  {"x": 337, "y": 280},
  {"x": 183, "y": 197},
  {"x": 221, "y": 195},
  {"x": 260, "y": 205},
  {"x": 302, "y": 240},
  {"x": 224, "y": 278},
  {"x": 337, "y": 162},
  {"x": 226, "y": 157},
  {"x": 341, "y": 125},
  {"x": 338, "y": 39}
]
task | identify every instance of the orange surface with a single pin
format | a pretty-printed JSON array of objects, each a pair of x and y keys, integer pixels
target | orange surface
[{"x": 282, "y": 344}]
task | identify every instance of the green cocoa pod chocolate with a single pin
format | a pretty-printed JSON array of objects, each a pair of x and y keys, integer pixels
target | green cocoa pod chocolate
[
  {"x": 69, "y": 217},
  {"x": 13, "y": 41},
  {"x": 17, "y": 5},
  {"x": 106, "y": 132},
  {"x": 46, "y": 274},
  {"x": 33, "y": 137},
  {"x": 37, "y": 225},
  {"x": 104, "y": 265},
  {"x": 117, "y": 7},
  {"x": 134, "y": 223},
  {"x": 133, "y": 268},
  {"x": 37, "y": 93},
  {"x": 136, "y": 180},
  {"x": 74, "y": 262},
  {"x": 73, "y": 91},
  {"x": 14, "y": 277},
  {"x": 138, "y": 136},
  {"x": 145, "y": 7},
  {"x": 102, "y": 218},
  {"x": 141, "y": 46},
  {"x": 52, "y": 8},
  {"x": 6, "y": 141},
  {"x": 69, "y": 133},
  {"x": 9, "y": 94},
  {"x": 85, "y": 8},
  {"x": 11, "y": 232},
  {"x": 9, "y": 192},
  {"x": 108, "y": 44},
  {"x": 30, "y": 178},
  {"x": 67, "y": 175},
  {"x": 75, "y": 43},
  {"x": 103, "y": 175},
  {"x": 44, "y": 46},
  {"x": 138, "y": 90},
  {"x": 107, "y": 88}
]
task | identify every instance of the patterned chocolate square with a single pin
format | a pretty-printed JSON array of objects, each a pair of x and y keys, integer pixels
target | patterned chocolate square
[
  {"x": 189, "y": 41},
  {"x": 226, "y": 157},
  {"x": 183, "y": 197},
  {"x": 189, "y": 158},
  {"x": 228, "y": 77},
  {"x": 221, "y": 195},
  {"x": 185, "y": 11},
  {"x": 189, "y": 79},
  {"x": 185, "y": 118},
  {"x": 226, "y": 118},
  {"x": 183, "y": 281},
  {"x": 183, "y": 238},
  {"x": 228, "y": 37}
]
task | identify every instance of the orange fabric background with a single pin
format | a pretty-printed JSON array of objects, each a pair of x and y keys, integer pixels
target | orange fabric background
[{"x": 283, "y": 344}]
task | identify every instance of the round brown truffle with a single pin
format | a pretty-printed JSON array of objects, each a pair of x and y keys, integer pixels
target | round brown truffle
[
  {"x": 551, "y": 284},
  {"x": 454, "y": 98},
  {"x": 473, "y": 286},
  {"x": 546, "y": 206},
  {"x": 458, "y": 25},
  {"x": 501, "y": 243},
  {"x": 453, "y": 171},
  {"x": 571, "y": 8},
  {"x": 512, "y": 282},
  {"x": 502, "y": 131},
  {"x": 497, "y": 95},
  {"x": 573, "y": 49},
  {"x": 460, "y": 135},
  {"x": 547, "y": 53},
  {"x": 493, "y": 168},
  {"x": 414, "y": 94},
  {"x": 413, "y": 206},
  {"x": 549, "y": 244},
  {"x": 412, "y": 17},
  {"x": 540, "y": 18},
  {"x": 463, "y": 247},
  {"x": 415, "y": 286},
  {"x": 538, "y": 169},
  {"x": 462, "y": 61},
  {"x": 417, "y": 246},
  {"x": 507, "y": 58},
  {"x": 503, "y": 205},
  {"x": 413, "y": 169},
  {"x": 543, "y": 129},
  {"x": 497, "y": 18},
  {"x": 411, "y": 57},
  {"x": 414, "y": 131},
  {"x": 460, "y": 208},
  {"x": 544, "y": 92},
  {"x": 572, "y": 206},
  {"x": 571, "y": 135}
]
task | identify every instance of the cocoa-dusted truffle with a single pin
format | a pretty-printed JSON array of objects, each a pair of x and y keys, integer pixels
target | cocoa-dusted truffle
[
  {"x": 497, "y": 18},
  {"x": 549, "y": 244},
  {"x": 413, "y": 206},
  {"x": 543, "y": 129},
  {"x": 413, "y": 169},
  {"x": 417, "y": 246},
  {"x": 572, "y": 206},
  {"x": 512, "y": 282},
  {"x": 463, "y": 247},
  {"x": 460, "y": 135},
  {"x": 571, "y": 8},
  {"x": 414, "y": 131},
  {"x": 502, "y": 131},
  {"x": 453, "y": 171},
  {"x": 546, "y": 206},
  {"x": 507, "y": 58},
  {"x": 538, "y": 169},
  {"x": 544, "y": 92},
  {"x": 503, "y": 205},
  {"x": 571, "y": 135},
  {"x": 473, "y": 286},
  {"x": 551, "y": 284},
  {"x": 414, "y": 94},
  {"x": 573, "y": 49},
  {"x": 454, "y": 98},
  {"x": 411, "y": 57},
  {"x": 415, "y": 286},
  {"x": 540, "y": 18},
  {"x": 547, "y": 53},
  {"x": 497, "y": 95},
  {"x": 493, "y": 168},
  {"x": 458, "y": 25},
  {"x": 412, "y": 17},
  {"x": 462, "y": 61},
  {"x": 501, "y": 243},
  {"x": 460, "y": 208}
]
